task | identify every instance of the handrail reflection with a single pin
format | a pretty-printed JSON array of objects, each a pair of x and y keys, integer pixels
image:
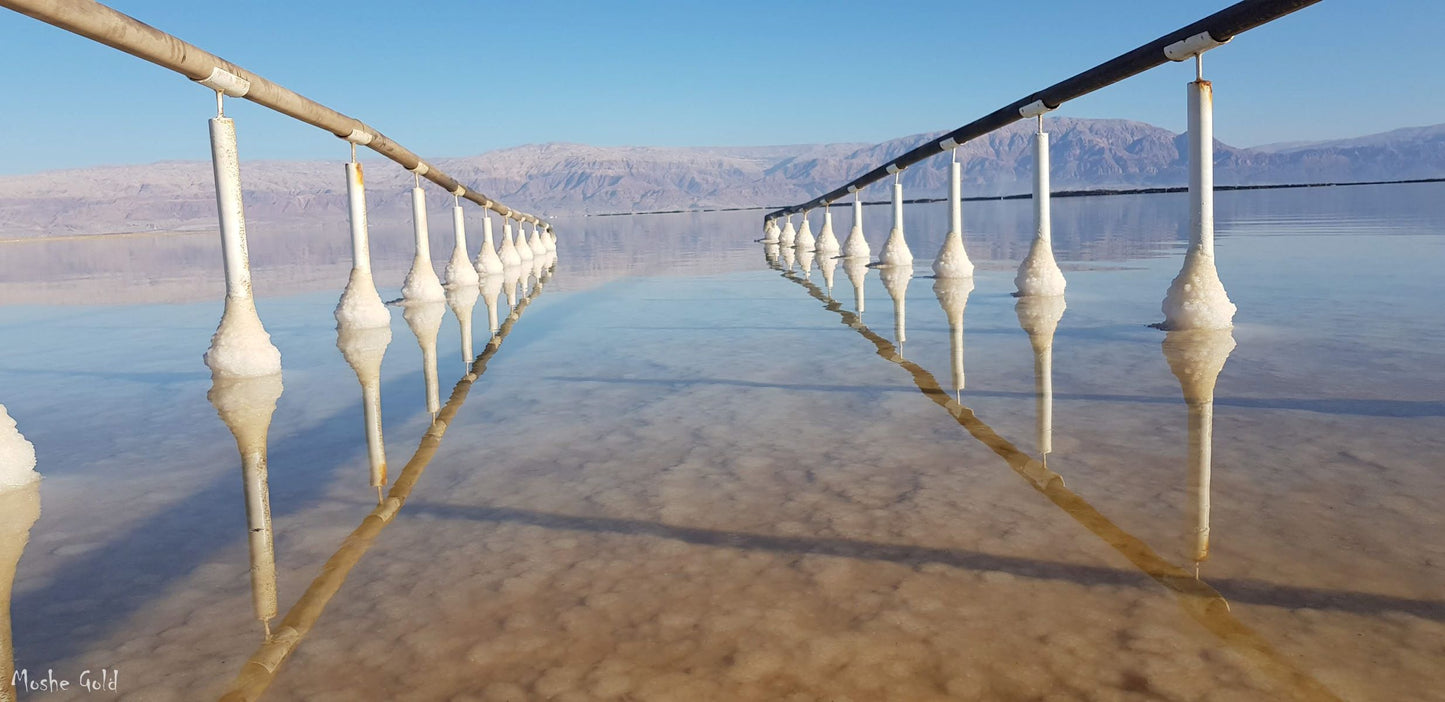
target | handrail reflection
[
  {"x": 259, "y": 670},
  {"x": 1201, "y": 602}
]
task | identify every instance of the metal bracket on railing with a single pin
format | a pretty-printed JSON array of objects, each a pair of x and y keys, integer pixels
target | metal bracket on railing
[
  {"x": 459, "y": 191},
  {"x": 894, "y": 169},
  {"x": 420, "y": 169},
  {"x": 359, "y": 137},
  {"x": 1184, "y": 49},
  {"x": 949, "y": 144},
  {"x": 223, "y": 81},
  {"x": 1034, "y": 109}
]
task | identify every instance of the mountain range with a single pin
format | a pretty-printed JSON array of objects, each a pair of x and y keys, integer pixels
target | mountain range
[{"x": 561, "y": 179}]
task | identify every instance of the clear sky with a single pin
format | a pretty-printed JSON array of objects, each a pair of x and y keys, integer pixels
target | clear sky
[{"x": 460, "y": 78}]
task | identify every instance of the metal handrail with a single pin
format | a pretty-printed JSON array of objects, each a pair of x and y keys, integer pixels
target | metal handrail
[
  {"x": 1219, "y": 27},
  {"x": 118, "y": 30}
]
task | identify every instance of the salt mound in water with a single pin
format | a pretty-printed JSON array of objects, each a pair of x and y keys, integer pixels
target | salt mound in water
[
  {"x": 17, "y": 455},
  {"x": 360, "y": 306},
  {"x": 953, "y": 261},
  {"x": 1039, "y": 274},
  {"x": 895, "y": 250},
  {"x": 241, "y": 347},
  {"x": 1196, "y": 299}
]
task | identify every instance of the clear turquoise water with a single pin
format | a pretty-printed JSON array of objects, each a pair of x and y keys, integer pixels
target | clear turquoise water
[{"x": 682, "y": 477}]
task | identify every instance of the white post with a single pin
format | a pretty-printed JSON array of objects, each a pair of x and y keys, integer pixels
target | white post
[
  {"x": 771, "y": 232},
  {"x": 1196, "y": 299},
  {"x": 895, "y": 250},
  {"x": 360, "y": 305},
  {"x": 240, "y": 347},
  {"x": 895, "y": 280},
  {"x": 551, "y": 238},
  {"x": 789, "y": 235},
  {"x": 524, "y": 250},
  {"x": 1039, "y": 273},
  {"x": 539, "y": 249},
  {"x": 421, "y": 283},
  {"x": 459, "y": 270},
  {"x": 856, "y": 246},
  {"x": 952, "y": 260}
]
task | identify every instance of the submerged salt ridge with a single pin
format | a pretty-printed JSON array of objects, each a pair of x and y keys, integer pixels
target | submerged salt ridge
[{"x": 17, "y": 455}]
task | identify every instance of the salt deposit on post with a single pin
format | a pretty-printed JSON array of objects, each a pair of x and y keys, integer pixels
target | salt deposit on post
[
  {"x": 1039, "y": 274},
  {"x": 827, "y": 244},
  {"x": 804, "y": 240},
  {"x": 1196, "y": 299},
  {"x": 551, "y": 238},
  {"x": 539, "y": 249},
  {"x": 952, "y": 296},
  {"x": 240, "y": 346},
  {"x": 459, "y": 270},
  {"x": 856, "y": 246},
  {"x": 895, "y": 249},
  {"x": 360, "y": 305},
  {"x": 771, "y": 232},
  {"x": 488, "y": 262},
  {"x": 421, "y": 282},
  {"x": 508, "y": 252},
  {"x": 1196, "y": 358},
  {"x": 246, "y": 406},
  {"x": 524, "y": 250},
  {"x": 895, "y": 281},
  {"x": 952, "y": 260},
  {"x": 363, "y": 348},
  {"x": 789, "y": 235},
  {"x": 17, "y": 455},
  {"x": 1039, "y": 317},
  {"x": 424, "y": 318}
]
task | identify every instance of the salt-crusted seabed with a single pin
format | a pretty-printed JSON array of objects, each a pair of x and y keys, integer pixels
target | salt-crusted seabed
[{"x": 691, "y": 481}]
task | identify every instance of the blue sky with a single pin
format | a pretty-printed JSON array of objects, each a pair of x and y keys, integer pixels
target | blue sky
[{"x": 460, "y": 78}]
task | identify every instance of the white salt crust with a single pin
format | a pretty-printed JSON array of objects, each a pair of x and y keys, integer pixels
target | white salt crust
[
  {"x": 895, "y": 251},
  {"x": 422, "y": 284},
  {"x": 856, "y": 246},
  {"x": 508, "y": 251},
  {"x": 488, "y": 262},
  {"x": 804, "y": 240},
  {"x": 952, "y": 260},
  {"x": 789, "y": 235},
  {"x": 1039, "y": 274},
  {"x": 363, "y": 348},
  {"x": 1039, "y": 317},
  {"x": 17, "y": 455},
  {"x": 1196, "y": 299},
  {"x": 360, "y": 305},
  {"x": 460, "y": 271},
  {"x": 241, "y": 347},
  {"x": 827, "y": 244}
]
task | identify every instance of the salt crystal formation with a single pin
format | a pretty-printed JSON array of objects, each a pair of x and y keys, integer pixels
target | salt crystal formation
[
  {"x": 1039, "y": 274},
  {"x": 508, "y": 252},
  {"x": 789, "y": 235},
  {"x": 488, "y": 262},
  {"x": 952, "y": 261},
  {"x": 360, "y": 305},
  {"x": 17, "y": 455},
  {"x": 895, "y": 250},
  {"x": 804, "y": 239},
  {"x": 1196, "y": 299},
  {"x": 539, "y": 249},
  {"x": 771, "y": 232},
  {"x": 827, "y": 244},
  {"x": 241, "y": 347},
  {"x": 459, "y": 270},
  {"x": 856, "y": 246},
  {"x": 19, "y": 508},
  {"x": 422, "y": 283}
]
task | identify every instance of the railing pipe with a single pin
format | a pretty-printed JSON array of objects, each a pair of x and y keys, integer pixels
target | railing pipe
[
  {"x": 1217, "y": 28},
  {"x": 118, "y": 30}
]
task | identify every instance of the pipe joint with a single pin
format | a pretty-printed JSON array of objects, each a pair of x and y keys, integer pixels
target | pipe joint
[
  {"x": 226, "y": 82},
  {"x": 1185, "y": 49},
  {"x": 1034, "y": 109}
]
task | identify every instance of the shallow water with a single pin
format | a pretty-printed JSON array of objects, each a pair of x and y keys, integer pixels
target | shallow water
[{"x": 685, "y": 475}]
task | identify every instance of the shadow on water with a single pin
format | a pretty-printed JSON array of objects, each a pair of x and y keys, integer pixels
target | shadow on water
[
  {"x": 1240, "y": 589},
  {"x": 134, "y": 568},
  {"x": 1342, "y": 406}
]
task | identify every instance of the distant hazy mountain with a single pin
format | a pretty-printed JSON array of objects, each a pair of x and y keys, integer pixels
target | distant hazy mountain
[{"x": 573, "y": 178}]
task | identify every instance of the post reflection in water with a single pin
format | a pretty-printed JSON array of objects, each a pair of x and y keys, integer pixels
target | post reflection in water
[
  {"x": 828, "y": 264},
  {"x": 425, "y": 320},
  {"x": 246, "y": 406},
  {"x": 1039, "y": 317},
  {"x": 790, "y": 257},
  {"x": 770, "y": 253},
  {"x": 462, "y": 299},
  {"x": 491, "y": 291},
  {"x": 953, "y": 297},
  {"x": 510, "y": 277},
  {"x": 19, "y": 508},
  {"x": 363, "y": 349},
  {"x": 1196, "y": 358},
  {"x": 805, "y": 262},
  {"x": 857, "y": 270},
  {"x": 895, "y": 280}
]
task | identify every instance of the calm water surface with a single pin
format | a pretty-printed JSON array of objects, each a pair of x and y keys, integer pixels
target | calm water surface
[{"x": 686, "y": 473}]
